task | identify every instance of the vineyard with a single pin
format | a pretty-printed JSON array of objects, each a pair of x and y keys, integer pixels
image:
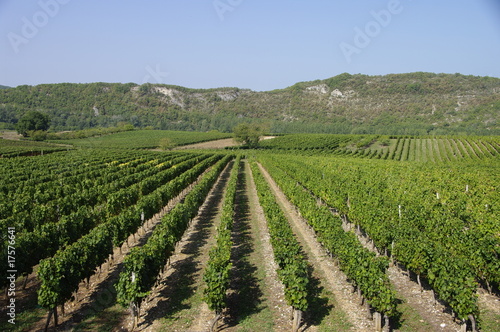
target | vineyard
[
  {"x": 308, "y": 233},
  {"x": 400, "y": 148},
  {"x": 11, "y": 148},
  {"x": 144, "y": 139}
]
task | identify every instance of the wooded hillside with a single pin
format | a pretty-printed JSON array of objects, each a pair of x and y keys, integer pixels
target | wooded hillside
[{"x": 415, "y": 103}]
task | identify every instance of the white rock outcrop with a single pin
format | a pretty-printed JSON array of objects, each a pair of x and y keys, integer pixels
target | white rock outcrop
[
  {"x": 175, "y": 96},
  {"x": 321, "y": 88}
]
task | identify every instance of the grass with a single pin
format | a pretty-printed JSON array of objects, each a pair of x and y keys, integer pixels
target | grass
[
  {"x": 187, "y": 300},
  {"x": 105, "y": 320},
  {"x": 335, "y": 319},
  {"x": 259, "y": 315},
  {"x": 410, "y": 320},
  {"x": 27, "y": 315},
  {"x": 24, "y": 320},
  {"x": 489, "y": 321}
]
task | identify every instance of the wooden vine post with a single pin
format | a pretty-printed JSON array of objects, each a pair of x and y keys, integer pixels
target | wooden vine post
[
  {"x": 377, "y": 318},
  {"x": 473, "y": 322},
  {"x": 142, "y": 223},
  {"x": 52, "y": 312},
  {"x": 56, "y": 319},
  {"x": 387, "y": 324},
  {"x": 135, "y": 309},
  {"x": 463, "y": 326},
  {"x": 49, "y": 316},
  {"x": 297, "y": 319}
]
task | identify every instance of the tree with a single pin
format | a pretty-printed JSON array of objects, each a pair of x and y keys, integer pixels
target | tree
[
  {"x": 167, "y": 144},
  {"x": 249, "y": 134},
  {"x": 32, "y": 120}
]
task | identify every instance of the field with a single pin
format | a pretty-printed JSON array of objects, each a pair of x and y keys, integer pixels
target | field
[
  {"x": 306, "y": 233},
  {"x": 13, "y": 148},
  {"x": 144, "y": 139},
  {"x": 400, "y": 148}
]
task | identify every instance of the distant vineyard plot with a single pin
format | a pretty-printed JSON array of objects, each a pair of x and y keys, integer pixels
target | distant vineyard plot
[
  {"x": 400, "y": 148},
  {"x": 145, "y": 139},
  {"x": 12, "y": 148}
]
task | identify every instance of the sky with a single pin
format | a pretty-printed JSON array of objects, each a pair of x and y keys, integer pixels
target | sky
[{"x": 255, "y": 44}]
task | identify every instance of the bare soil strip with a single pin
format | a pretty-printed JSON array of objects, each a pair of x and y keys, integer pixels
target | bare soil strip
[
  {"x": 331, "y": 277},
  {"x": 217, "y": 144},
  {"x": 10, "y": 134},
  {"x": 175, "y": 304},
  {"x": 431, "y": 312},
  {"x": 489, "y": 302}
]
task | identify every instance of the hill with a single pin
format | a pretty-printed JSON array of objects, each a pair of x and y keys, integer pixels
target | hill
[
  {"x": 415, "y": 103},
  {"x": 4, "y": 87}
]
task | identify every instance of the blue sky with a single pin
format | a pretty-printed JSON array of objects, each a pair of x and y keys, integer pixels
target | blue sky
[{"x": 256, "y": 44}]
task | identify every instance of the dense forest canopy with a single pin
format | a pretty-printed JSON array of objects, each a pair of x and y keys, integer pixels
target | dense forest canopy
[{"x": 414, "y": 103}]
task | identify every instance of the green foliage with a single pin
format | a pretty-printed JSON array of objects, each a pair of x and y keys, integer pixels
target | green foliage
[
  {"x": 61, "y": 274},
  {"x": 51, "y": 213},
  {"x": 92, "y": 132},
  {"x": 308, "y": 142},
  {"x": 401, "y": 148},
  {"x": 11, "y": 148},
  {"x": 293, "y": 269},
  {"x": 37, "y": 135},
  {"x": 32, "y": 121},
  {"x": 217, "y": 272},
  {"x": 81, "y": 258},
  {"x": 144, "y": 139},
  {"x": 365, "y": 270},
  {"x": 436, "y": 219},
  {"x": 142, "y": 265},
  {"x": 440, "y": 220},
  {"x": 414, "y": 103}
]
